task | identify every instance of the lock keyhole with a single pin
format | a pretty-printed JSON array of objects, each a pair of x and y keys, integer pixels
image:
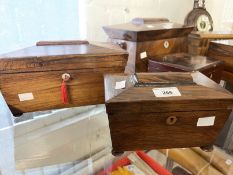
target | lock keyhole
[{"x": 171, "y": 120}]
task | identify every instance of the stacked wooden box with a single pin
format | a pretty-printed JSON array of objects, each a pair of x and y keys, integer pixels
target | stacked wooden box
[{"x": 144, "y": 38}]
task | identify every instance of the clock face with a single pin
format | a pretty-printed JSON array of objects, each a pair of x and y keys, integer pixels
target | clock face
[{"x": 203, "y": 23}]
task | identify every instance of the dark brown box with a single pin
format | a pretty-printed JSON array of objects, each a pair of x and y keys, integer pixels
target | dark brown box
[
  {"x": 31, "y": 78},
  {"x": 223, "y": 50},
  {"x": 140, "y": 118},
  {"x": 183, "y": 62},
  {"x": 144, "y": 38}
]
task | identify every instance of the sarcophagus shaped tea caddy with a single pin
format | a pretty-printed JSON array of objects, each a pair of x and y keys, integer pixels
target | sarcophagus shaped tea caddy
[
  {"x": 144, "y": 38},
  {"x": 56, "y": 75},
  {"x": 164, "y": 110}
]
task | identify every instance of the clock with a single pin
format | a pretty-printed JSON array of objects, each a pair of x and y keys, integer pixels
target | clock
[{"x": 199, "y": 17}]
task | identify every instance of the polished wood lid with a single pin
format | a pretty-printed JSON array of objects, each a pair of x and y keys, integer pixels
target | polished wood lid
[
  {"x": 197, "y": 93},
  {"x": 60, "y": 50},
  {"x": 147, "y": 30},
  {"x": 49, "y": 57},
  {"x": 186, "y": 62}
]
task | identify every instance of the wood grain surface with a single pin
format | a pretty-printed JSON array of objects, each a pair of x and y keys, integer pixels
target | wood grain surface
[
  {"x": 147, "y": 32},
  {"x": 137, "y": 114},
  {"x": 150, "y": 130},
  {"x": 38, "y": 70},
  {"x": 192, "y": 97},
  {"x": 150, "y": 37},
  {"x": 152, "y": 49},
  {"x": 183, "y": 62},
  {"x": 83, "y": 89},
  {"x": 61, "y": 57},
  {"x": 223, "y": 51}
]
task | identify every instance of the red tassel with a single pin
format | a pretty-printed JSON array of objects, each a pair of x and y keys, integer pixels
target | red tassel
[{"x": 64, "y": 93}]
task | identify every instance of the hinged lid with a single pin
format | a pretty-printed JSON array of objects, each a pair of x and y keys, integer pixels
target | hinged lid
[
  {"x": 182, "y": 92},
  {"x": 141, "y": 29},
  {"x": 186, "y": 62},
  {"x": 47, "y": 56}
]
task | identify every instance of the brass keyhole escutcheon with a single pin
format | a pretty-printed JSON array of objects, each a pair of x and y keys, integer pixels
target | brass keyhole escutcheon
[{"x": 171, "y": 120}]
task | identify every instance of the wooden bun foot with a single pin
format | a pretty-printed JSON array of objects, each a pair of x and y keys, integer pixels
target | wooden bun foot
[{"x": 117, "y": 153}]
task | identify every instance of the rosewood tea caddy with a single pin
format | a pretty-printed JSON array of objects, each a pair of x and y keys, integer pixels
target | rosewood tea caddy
[
  {"x": 56, "y": 75},
  {"x": 144, "y": 38},
  {"x": 164, "y": 110}
]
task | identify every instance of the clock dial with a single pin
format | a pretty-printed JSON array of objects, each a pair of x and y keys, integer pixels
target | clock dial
[
  {"x": 203, "y": 23},
  {"x": 199, "y": 17}
]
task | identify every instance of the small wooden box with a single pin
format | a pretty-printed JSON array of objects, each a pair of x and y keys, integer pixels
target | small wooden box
[
  {"x": 223, "y": 50},
  {"x": 31, "y": 78},
  {"x": 144, "y": 38},
  {"x": 149, "y": 113},
  {"x": 183, "y": 62}
]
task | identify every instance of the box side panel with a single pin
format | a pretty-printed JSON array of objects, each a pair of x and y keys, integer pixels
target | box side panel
[
  {"x": 28, "y": 92},
  {"x": 152, "y": 131}
]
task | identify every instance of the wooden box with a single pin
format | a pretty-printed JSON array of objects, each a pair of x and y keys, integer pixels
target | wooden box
[
  {"x": 198, "y": 42},
  {"x": 223, "y": 50},
  {"x": 144, "y": 38},
  {"x": 31, "y": 78},
  {"x": 183, "y": 62},
  {"x": 164, "y": 110}
]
